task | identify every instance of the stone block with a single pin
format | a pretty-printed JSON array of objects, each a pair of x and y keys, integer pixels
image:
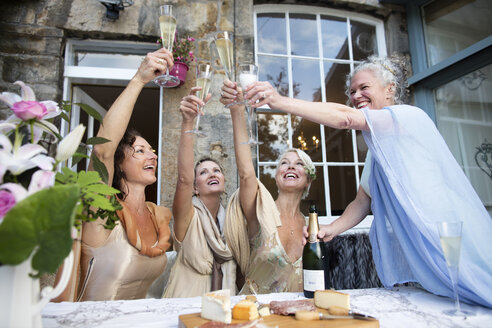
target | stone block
[
  {"x": 31, "y": 69},
  {"x": 226, "y": 19},
  {"x": 197, "y": 18},
  {"x": 30, "y": 40}
]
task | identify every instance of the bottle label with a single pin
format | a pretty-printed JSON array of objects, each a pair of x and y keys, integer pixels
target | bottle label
[{"x": 314, "y": 280}]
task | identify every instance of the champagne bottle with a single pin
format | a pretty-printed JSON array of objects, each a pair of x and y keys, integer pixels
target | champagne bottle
[{"x": 313, "y": 257}]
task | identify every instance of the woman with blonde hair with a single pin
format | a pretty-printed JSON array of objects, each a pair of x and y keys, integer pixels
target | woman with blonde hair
[
  {"x": 265, "y": 235},
  {"x": 204, "y": 262}
]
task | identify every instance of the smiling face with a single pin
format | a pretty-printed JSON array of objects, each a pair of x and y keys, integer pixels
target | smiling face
[
  {"x": 366, "y": 91},
  {"x": 291, "y": 175},
  {"x": 140, "y": 162},
  {"x": 209, "y": 178}
]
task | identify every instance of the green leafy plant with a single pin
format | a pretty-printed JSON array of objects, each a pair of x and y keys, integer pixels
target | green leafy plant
[{"x": 41, "y": 207}]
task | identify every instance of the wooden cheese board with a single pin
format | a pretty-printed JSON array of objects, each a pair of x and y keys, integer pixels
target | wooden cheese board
[{"x": 288, "y": 321}]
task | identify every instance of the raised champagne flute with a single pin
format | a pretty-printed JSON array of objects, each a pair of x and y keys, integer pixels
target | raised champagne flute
[
  {"x": 224, "y": 42},
  {"x": 248, "y": 74},
  {"x": 167, "y": 25},
  {"x": 450, "y": 237},
  {"x": 204, "y": 76}
]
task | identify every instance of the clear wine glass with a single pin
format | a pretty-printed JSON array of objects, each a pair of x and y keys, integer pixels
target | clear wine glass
[
  {"x": 450, "y": 236},
  {"x": 248, "y": 73},
  {"x": 224, "y": 42},
  {"x": 167, "y": 25},
  {"x": 204, "y": 76}
]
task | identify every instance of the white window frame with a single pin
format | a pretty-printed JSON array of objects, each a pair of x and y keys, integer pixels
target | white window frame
[
  {"x": 381, "y": 50},
  {"x": 104, "y": 76}
]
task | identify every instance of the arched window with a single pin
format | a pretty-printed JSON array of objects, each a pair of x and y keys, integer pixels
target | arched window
[{"x": 306, "y": 52}]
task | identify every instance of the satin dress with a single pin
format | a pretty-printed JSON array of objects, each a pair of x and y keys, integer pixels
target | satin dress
[{"x": 117, "y": 270}]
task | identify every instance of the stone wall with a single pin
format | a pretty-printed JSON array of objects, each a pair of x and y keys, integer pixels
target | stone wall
[{"x": 33, "y": 36}]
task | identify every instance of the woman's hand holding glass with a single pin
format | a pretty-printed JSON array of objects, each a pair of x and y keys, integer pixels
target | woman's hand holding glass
[
  {"x": 190, "y": 106},
  {"x": 231, "y": 96},
  {"x": 154, "y": 64},
  {"x": 262, "y": 93}
]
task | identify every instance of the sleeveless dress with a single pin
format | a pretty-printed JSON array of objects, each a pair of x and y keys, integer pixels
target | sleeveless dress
[
  {"x": 268, "y": 267},
  {"x": 117, "y": 270}
]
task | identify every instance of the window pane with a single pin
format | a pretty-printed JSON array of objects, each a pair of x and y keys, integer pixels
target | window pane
[
  {"x": 306, "y": 136},
  {"x": 271, "y": 33},
  {"x": 273, "y": 132},
  {"x": 303, "y": 35},
  {"x": 112, "y": 60},
  {"x": 338, "y": 145},
  {"x": 361, "y": 146},
  {"x": 267, "y": 177},
  {"x": 464, "y": 118},
  {"x": 316, "y": 194},
  {"x": 451, "y": 26},
  {"x": 342, "y": 187},
  {"x": 305, "y": 79},
  {"x": 335, "y": 81},
  {"x": 363, "y": 40},
  {"x": 274, "y": 70},
  {"x": 335, "y": 39}
]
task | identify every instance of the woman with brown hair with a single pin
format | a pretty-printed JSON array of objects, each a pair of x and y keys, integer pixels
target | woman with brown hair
[{"x": 123, "y": 262}]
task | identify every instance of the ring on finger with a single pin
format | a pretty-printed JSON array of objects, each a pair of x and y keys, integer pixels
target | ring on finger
[
  {"x": 221, "y": 94},
  {"x": 263, "y": 95},
  {"x": 160, "y": 60}
]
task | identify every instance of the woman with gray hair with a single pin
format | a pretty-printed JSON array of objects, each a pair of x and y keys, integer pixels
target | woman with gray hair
[
  {"x": 411, "y": 183},
  {"x": 265, "y": 235}
]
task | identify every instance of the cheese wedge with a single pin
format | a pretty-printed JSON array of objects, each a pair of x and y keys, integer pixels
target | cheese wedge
[
  {"x": 326, "y": 298},
  {"x": 264, "y": 310},
  {"x": 245, "y": 310},
  {"x": 216, "y": 306}
]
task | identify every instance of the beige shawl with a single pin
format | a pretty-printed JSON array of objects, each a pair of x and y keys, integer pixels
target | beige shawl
[
  {"x": 191, "y": 275},
  {"x": 235, "y": 228}
]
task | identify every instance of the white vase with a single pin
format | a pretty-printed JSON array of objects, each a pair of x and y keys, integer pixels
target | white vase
[{"x": 21, "y": 300}]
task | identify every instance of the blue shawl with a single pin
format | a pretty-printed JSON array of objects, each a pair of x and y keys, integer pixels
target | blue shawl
[{"x": 416, "y": 182}]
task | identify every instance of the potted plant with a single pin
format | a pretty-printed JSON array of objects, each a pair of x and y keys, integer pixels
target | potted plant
[
  {"x": 42, "y": 207},
  {"x": 183, "y": 56}
]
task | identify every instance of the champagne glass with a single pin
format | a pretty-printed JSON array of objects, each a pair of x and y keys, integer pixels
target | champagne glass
[
  {"x": 167, "y": 24},
  {"x": 224, "y": 41},
  {"x": 248, "y": 74},
  {"x": 204, "y": 76},
  {"x": 450, "y": 236}
]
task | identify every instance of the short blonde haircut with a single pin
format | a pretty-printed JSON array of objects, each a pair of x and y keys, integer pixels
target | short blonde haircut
[{"x": 308, "y": 166}]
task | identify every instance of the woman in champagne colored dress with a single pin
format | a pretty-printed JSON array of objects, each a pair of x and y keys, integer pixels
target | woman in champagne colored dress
[
  {"x": 204, "y": 262},
  {"x": 123, "y": 262},
  {"x": 265, "y": 235}
]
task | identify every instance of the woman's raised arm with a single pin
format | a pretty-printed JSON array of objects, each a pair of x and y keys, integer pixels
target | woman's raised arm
[
  {"x": 182, "y": 204},
  {"x": 116, "y": 120},
  {"x": 114, "y": 126},
  {"x": 331, "y": 114},
  {"x": 247, "y": 177}
]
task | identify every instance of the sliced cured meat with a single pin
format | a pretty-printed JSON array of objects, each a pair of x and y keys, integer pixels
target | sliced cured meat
[{"x": 291, "y": 307}]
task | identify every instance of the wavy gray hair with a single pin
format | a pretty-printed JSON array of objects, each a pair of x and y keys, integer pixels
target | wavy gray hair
[
  {"x": 308, "y": 166},
  {"x": 389, "y": 70}
]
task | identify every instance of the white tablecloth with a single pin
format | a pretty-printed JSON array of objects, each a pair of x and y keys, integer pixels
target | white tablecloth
[{"x": 401, "y": 307}]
